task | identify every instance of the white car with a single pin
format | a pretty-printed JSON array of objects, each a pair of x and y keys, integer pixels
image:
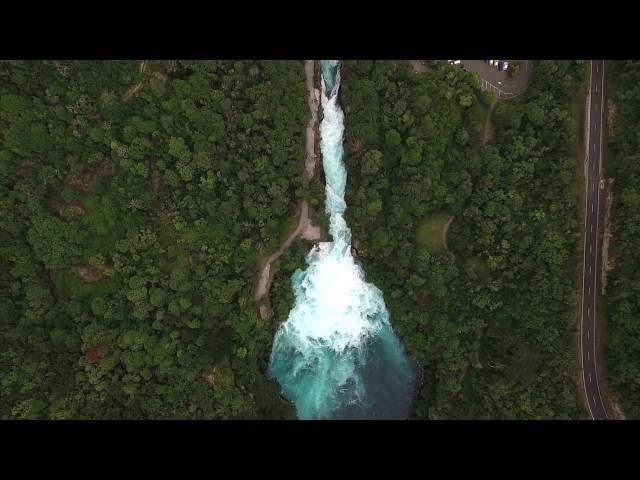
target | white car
[
  {"x": 456, "y": 62},
  {"x": 505, "y": 65}
]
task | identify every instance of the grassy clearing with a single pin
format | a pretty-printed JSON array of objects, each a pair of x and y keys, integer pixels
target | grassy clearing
[{"x": 430, "y": 233}]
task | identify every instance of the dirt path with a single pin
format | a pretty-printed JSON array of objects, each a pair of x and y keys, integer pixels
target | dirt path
[
  {"x": 489, "y": 127},
  {"x": 607, "y": 262},
  {"x": 445, "y": 230},
  {"x": 137, "y": 86},
  {"x": 305, "y": 229},
  {"x": 132, "y": 91}
]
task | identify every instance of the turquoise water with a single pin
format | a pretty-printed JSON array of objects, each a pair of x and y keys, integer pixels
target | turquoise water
[{"x": 336, "y": 356}]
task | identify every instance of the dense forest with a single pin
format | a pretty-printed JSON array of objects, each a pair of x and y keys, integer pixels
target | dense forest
[
  {"x": 138, "y": 199},
  {"x": 490, "y": 313},
  {"x": 623, "y": 288},
  {"x": 136, "y": 202}
]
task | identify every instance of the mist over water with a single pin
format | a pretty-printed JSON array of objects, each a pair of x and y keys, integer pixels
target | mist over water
[{"x": 336, "y": 356}]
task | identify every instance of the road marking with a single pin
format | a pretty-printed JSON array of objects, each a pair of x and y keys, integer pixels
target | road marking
[
  {"x": 592, "y": 124},
  {"x": 592, "y": 208},
  {"x": 589, "y": 269},
  {"x": 589, "y": 294},
  {"x": 588, "y": 355},
  {"x": 588, "y": 312},
  {"x": 588, "y": 338}
]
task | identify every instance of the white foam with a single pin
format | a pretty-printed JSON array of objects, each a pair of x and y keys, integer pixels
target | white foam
[{"x": 318, "y": 353}]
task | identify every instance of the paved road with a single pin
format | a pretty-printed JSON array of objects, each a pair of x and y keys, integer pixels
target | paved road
[{"x": 593, "y": 165}]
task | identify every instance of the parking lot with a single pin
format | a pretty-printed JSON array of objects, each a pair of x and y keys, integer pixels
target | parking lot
[{"x": 499, "y": 81}]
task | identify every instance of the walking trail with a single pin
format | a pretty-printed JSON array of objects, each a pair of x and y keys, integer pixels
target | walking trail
[
  {"x": 445, "y": 230},
  {"x": 489, "y": 128},
  {"x": 137, "y": 86},
  {"x": 305, "y": 229}
]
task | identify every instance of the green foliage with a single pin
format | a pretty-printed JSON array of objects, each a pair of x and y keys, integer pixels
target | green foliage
[
  {"x": 494, "y": 326},
  {"x": 623, "y": 286},
  {"x": 172, "y": 194}
]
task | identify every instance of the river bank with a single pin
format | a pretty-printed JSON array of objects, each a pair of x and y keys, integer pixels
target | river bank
[{"x": 305, "y": 228}]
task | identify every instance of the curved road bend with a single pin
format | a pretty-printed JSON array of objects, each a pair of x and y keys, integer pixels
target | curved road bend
[{"x": 593, "y": 165}]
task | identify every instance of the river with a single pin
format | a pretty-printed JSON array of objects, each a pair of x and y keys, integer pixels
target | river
[{"x": 336, "y": 356}]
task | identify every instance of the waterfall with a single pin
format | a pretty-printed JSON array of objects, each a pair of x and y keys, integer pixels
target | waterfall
[{"x": 336, "y": 356}]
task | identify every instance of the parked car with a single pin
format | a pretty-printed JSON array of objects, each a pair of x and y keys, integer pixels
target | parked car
[{"x": 505, "y": 65}]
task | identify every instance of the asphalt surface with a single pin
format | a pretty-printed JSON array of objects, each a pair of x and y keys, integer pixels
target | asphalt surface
[
  {"x": 593, "y": 165},
  {"x": 492, "y": 79},
  {"x": 500, "y": 81}
]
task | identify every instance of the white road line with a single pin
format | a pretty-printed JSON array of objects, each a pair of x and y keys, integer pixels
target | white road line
[
  {"x": 589, "y": 377},
  {"x": 592, "y": 208},
  {"x": 590, "y": 99},
  {"x": 588, "y": 355},
  {"x": 589, "y": 269},
  {"x": 594, "y": 399},
  {"x": 592, "y": 227},
  {"x": 596, "y": 67},
  {"x": 588, "y": 338},
  {"x": 589, "y": 294},
  {"x": 595, "y": 363}
]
